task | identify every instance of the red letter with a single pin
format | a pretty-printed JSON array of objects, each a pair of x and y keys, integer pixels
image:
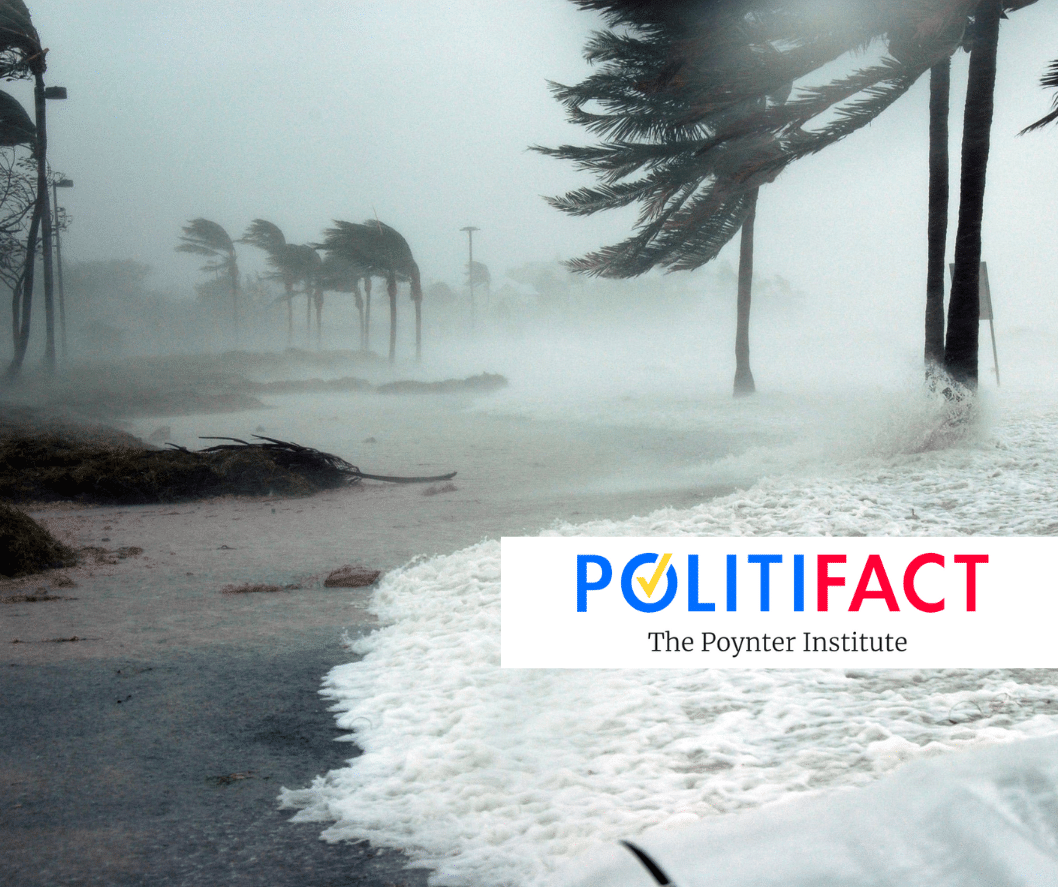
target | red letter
[
  {"x": 874, "y": 567},
  {"x": 824, "y": 580},
  {"x": 971, "y": 561},
  {"x": 909, "y": 582}
]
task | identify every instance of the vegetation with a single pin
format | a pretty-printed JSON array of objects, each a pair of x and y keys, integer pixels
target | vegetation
[
  {"x": 26, "y": 547},
  {"x": 383, "y": 252},
  {"x": 205, "y": 238},
  {"x": 691, "y": 100}
]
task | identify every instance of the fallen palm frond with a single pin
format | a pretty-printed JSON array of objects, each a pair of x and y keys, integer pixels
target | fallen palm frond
[{"x": 294, "y": 456}]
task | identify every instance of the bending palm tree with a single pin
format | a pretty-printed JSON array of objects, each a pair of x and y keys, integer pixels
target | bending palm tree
[
  {"x": 268, "y": 237},
  {"x": 205, "y": 238},
  {"x": 382, "y": 252},
  {"x": 22, "y": 56}
]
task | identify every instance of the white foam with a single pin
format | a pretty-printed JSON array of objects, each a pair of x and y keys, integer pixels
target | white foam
[{"x": 495, "y": 777}]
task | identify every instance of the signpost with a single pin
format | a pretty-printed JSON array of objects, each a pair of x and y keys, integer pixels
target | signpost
[{"x": 985, "y": 295}]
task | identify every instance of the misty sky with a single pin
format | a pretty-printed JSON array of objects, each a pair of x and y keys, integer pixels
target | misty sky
[{"x": 421, "y": 112}]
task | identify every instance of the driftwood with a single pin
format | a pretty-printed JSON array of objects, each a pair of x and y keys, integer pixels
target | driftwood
[{"x": 294, "y": 456}]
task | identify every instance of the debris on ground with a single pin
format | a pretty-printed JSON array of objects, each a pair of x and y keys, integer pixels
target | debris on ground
[
  {"x": 481, "y": 382},
  {"x": 351, "y": 576},
  {"x": 257, "y": 588}
]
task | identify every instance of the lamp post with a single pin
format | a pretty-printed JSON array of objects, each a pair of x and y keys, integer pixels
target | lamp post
[
  {"x": 470, "y": 229},
  {"x": 41, "y": 94},
  {"x": 61, "y": 183}
]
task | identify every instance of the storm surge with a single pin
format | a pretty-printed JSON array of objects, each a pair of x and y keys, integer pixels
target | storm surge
[{"x": 495, "y": 777}]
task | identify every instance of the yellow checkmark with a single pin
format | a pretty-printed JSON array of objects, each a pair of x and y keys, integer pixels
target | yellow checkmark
[{"x": 648, "y": 587}]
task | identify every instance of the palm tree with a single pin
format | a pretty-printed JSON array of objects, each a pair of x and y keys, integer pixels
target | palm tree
[
  {"x": 937, "y": 222},
  {"x": 205, "y": 238},
  {"x": 19, "y": 200},
  {"x": 383, "y": 252},
  {"x": 683, "y": 97},
  {"x": 22, "y": 56},
  {"x": 964, "y": 307},
  {"x": 1047, "y": 81},
  {"x": 267, "y": 236}
]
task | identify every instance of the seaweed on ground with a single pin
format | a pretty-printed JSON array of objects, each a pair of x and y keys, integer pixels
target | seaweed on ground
[
  {"x": 47, "y": 468},
  {"x": 26, "y": 547}
]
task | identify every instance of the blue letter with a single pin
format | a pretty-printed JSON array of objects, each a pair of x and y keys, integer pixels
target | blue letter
[
  {"x": 583, "y": 585},
  {"x": 693, "y": 604},
  {"x": 799, "y": 583},
  {"x": 765, "y": 561}
]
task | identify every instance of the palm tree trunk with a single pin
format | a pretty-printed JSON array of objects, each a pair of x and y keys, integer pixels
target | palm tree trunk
[
  {"x": 235, "y": 303},
  {"x": 22, "y": 336},
  {"x": 391, "y": 290},
  {"x": 290, "y": 313},
  {"x": 359, "y": 310},
  {"x": 318, "y": 299},
  {"x": 743, "y": 375},
  {"x": 937, "y": 226},
  {"x": 964, "y": 307},
  {"x": 416, "y": 297},
  {"x": 367, "y": 314}
]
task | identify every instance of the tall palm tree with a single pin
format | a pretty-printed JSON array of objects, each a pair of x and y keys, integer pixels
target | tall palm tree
[
  {"x": 22, "y": 56},
  {"x": 269, "y": 237},
  {"x": 383, "y": 252},
  {"x": 937, "y": 221},
  {"x": 680, "y": 95},
  {"x": 202, "y": 237},
  {"x": 964, "y": 307},
  {"x": 19, "y": 201}
]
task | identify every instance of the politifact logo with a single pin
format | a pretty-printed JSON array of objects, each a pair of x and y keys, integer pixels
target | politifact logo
[
  {"x": 873, "y": 583},
  {"x": 914, "y": 602}
]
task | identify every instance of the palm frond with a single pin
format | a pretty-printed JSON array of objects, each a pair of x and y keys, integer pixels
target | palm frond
[
  {"x": 1047, "y": 81},
  {"x": 16, "y": 128}
]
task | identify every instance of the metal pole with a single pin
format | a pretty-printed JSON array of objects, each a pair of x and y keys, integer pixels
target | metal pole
[
  {"x": 470, "y": 229},
  {"x": 58, "y": 265}
]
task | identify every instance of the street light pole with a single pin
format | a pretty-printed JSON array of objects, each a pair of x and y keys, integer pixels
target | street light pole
[
  {"x": 40, "y": 94},
  {"x": 55, "y": 184},
  {"x": 470, "y": 229}
]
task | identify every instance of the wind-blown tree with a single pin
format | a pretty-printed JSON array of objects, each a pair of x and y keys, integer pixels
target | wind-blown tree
[
  {"x": 674, "y": 89},
  {"x": 269, "y": 237},
  {"x": 202, "y": 237},
  {"x": 18, "y": 203},
  {"x": 703, "y": 169},
  {"x": 383, "y": 252},
  {"x": 1048, "y": 81},
  {"x": 22, "y": 56}
]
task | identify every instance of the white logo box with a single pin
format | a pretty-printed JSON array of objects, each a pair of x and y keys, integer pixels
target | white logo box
[{"x": 779, "y": 602}]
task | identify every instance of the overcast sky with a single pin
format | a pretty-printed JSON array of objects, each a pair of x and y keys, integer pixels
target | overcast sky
[{"x": 421, "y": 112}]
